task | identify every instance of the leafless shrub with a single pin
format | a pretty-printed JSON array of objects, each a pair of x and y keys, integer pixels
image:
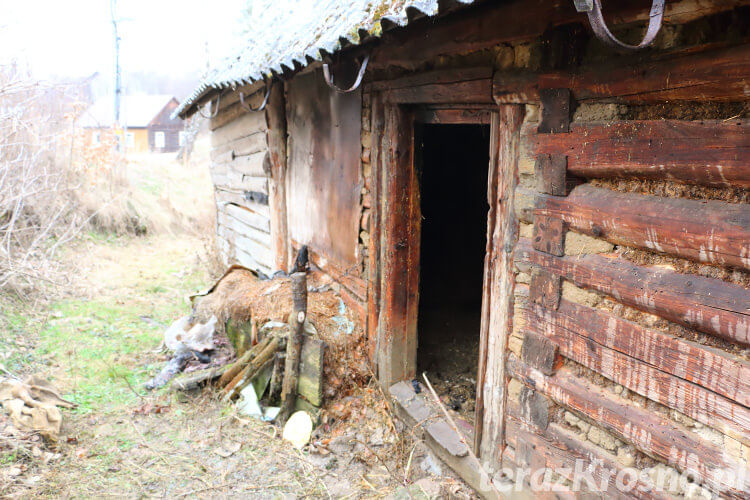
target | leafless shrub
[{"x": 35, "y": 202}]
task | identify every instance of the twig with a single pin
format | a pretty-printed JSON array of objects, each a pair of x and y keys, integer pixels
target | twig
[{"x": 483, "y": 472}]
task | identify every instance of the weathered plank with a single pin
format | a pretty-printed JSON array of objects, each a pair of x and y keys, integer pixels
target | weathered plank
[
  {"x": 646, "y": 430},
  {"x": 711, "y": 368},
  {"x": 470, "y": 91},
  {"x": 442, "y": 76},
  {"x": 706, "y": 304},
  {"x": 248, "y": 217},
  {"x": 453, "y": 116},
  {"x": 310, "y": 380},
  {"x": 249, "y": 164},
  {"x": 244, "y": 182},
  {"x": 374, "y": 251},
  {"x": 709, "y": 153},
  {"x": 705, "y": 231},
  {"x": 226, "y": 195},
  {"x": 243, "y": 126},
  {"x": 541, "y": 353},
  {"x": 714, "y": 75},
  {"x": 252, "y": 143},
  {"x": 497, "y": 295},
  {"x": 582, "y": 346}
]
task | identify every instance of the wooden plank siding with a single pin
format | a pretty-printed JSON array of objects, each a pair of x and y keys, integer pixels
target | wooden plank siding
[{"x": 238, "y": 171}]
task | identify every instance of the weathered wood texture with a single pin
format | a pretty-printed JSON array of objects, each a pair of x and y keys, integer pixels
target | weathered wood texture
[
  {"x": 715, "y": 75},
  {"x": 710, "y": 153},
  {"x": 238, "y": 172},
  {"x": 705, "y": 231},
  {"x": 706, "y": 304},
  {"x": 397, "y": 335},
  {"x": 647, "y": 431},
  {"x": 377, "y": 114},
  {"x": 464, "y": 85},
  {"x": 324, "y": 168},
  {"x": 454, "y": 116},
  {"x": 497, "y": 296},
  {"x": 276, "y": 137},
  {"x": 600, "y": 342},
  {"x": 520, "y": 20},
  {"x": 560, "y": 449}
]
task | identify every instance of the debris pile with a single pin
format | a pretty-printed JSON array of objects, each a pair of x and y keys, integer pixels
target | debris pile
[{"x": 33, "y": 406}]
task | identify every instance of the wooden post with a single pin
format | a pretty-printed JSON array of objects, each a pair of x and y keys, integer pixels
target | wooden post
[
  {"x": 294, "y": 345},
  {"x": 276, "y": 140},
  {"x": 399, "y": 251},
  {"x": 497, "y": 302}
]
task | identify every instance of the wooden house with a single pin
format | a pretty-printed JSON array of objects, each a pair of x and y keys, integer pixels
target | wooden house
[
  {"x": 146, "y": 120},
  {"x": 506, "y": 194}
]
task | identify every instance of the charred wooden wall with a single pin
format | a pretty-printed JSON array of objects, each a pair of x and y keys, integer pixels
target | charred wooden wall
[
  {"x": 238, "y": 159},
  {"x": 628, "y": 345}
]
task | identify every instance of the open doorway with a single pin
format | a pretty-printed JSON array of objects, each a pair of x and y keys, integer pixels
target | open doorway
[{"x": 453, "y": 165}]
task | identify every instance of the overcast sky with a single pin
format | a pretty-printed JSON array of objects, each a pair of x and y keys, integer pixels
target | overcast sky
[{"x": 73, "y": 38}]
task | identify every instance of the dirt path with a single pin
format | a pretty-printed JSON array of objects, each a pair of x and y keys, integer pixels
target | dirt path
[{"x": 100, "y": 343}]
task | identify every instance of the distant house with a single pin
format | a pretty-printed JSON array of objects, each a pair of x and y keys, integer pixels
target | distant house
[{"x": 146, "y": 119}]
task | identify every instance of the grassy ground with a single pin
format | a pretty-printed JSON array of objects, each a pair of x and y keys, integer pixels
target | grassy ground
[{"x": 99, "y": 345}]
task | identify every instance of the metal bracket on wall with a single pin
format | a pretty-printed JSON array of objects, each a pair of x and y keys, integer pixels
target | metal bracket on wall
[
  {"x": 594, "y": 10},
  {"x": 262, "y": 106},
  {"x": 214, "y": 112},
  {"x": 355, "y": 85}
]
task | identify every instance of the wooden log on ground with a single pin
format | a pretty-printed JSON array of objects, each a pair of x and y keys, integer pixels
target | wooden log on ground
[
  {"x": 708, "y": 153},
  {"x": 693, "y": 400},
  {"x": 235, "y": 368},
  {"x": 192, "y": 380},
  {"x": 706, "y": 304},
  {"x": 647, "y": 431},
  {"x": 713, "y": 232},
  {"x": 294, "y": 346},
  {"x": 253, "y": 367}
]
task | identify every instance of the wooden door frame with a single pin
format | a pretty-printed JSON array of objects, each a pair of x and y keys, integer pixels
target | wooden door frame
[{"x": 393, "y": 288}]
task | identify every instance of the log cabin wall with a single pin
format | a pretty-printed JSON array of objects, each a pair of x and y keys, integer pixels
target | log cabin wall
[
  {"x": 239, "y": 174},
  {"x": 630, "y": 329}
]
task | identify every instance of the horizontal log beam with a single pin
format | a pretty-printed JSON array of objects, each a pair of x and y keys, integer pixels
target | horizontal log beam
[
  {"x": 708, "y": 153},
  {"x": 454, "y": 116},
  {"x": 583, "y": 347},
  {"x": 560, "y": 450},
  {"x": 714, "y": 75},
  {"x": 647, "y": 431},
  {"x": 470, "y": 92},
  {"x": 705, "y": 304},
  {"x": 707, "y": 367},
  {"x": 711, "y": 231}
]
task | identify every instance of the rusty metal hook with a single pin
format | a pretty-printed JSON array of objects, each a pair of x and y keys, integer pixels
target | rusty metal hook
[
  {"x": 593, "y": 8},
  {"x": 355, "y": 85},
  {"x": 214, "y": 112},
  {"x": 262, "y": 105}
]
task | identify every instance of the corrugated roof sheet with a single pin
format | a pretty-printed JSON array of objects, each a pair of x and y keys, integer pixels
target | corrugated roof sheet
[
  {"x": 293, "y": 33},
  {"x": 136, "y": 111}
]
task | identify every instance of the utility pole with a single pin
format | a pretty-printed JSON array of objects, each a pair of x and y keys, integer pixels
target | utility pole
[{"x": 118, "y": 77}]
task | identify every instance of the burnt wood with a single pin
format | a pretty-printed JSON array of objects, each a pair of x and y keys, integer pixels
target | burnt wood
[
  {"x": 549, "y": 234},
  {"x": 708, "y": 153},
  {"x": 534, "y": 408},
  {"x": 541, "y": 353},
  {"x": 582, "y": 346},
  {"x": 550, "y": 172},
  {"x": 706, "y": 304},
  {"x": 646, "y": 430},
  {"x": 545, "y": 288},
  {"x": 555, "y": 111},
  {"x": 710, "y": 231}
]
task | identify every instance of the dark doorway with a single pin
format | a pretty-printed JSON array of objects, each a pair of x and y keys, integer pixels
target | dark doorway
[{"x": 453, "y": 163}]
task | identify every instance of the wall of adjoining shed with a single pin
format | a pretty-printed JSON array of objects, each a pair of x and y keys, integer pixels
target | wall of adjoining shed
[
  {"x": 238, "y": 151},
  {"x": 631, "y": 330}
]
